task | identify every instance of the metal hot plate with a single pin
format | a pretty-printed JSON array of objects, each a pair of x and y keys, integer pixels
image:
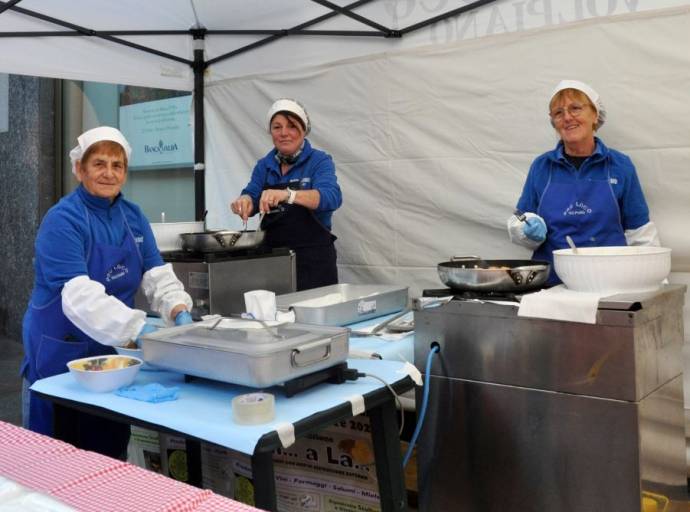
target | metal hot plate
[
  {"x": 622, "y": 301},
  {"x": 470, "y": 295},
  {"x": 212, "y": 257}
]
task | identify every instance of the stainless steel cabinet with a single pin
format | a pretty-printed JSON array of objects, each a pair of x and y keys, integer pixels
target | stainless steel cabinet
[{"x": 538, "y": 415}]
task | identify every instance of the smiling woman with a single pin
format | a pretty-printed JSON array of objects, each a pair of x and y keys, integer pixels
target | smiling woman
[
  {"x": 94, "y": 250},
  {"x": 582, "y": 189},
  {"x": 297, "y": 185},
  {"x": 103, "y": 169},
  {"x": 575, "y": 118}
]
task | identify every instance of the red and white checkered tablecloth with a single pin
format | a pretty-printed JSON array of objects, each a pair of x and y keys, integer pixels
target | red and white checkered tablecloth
[{"x": 88, "y": 481}]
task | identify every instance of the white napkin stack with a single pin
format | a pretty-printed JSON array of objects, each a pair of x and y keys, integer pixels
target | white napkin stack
[
  {"x": 560, "y": 303},
  {"x": 261, "y": 305}
]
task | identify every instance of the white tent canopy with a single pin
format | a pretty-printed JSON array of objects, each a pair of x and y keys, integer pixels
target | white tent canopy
[
  {"x": 168, "y": 23},
  {"x": 96, "y": 59},
  {"x": 432, "y": 133}
]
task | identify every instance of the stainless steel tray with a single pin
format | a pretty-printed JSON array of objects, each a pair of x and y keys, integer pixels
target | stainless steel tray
[
  {"x": 358, "y": 302},
  {"x": 256, "y": 357}
]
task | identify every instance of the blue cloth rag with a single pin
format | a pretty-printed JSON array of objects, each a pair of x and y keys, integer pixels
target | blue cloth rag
[{"x": 152, "y": 392}]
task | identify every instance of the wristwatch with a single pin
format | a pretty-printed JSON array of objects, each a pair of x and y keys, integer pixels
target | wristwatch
[{"x": 292, "y": 194}]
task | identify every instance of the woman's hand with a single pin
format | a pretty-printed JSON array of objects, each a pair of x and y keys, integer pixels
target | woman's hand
[
  {"x": 177, "y": 310},
  {"x": 184, "y": 317},
  {"x": 271, "y": 198},
  {"x": 243, "y": 206},
  {"x": 146, "y": 329},
  {"x": 535, "y": 229},
  {"x": 529, "y": 233}
]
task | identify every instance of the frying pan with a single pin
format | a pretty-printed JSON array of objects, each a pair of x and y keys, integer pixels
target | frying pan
[
  {"x": 221, "y": 241},
  {"x": 471, "y": 273}
]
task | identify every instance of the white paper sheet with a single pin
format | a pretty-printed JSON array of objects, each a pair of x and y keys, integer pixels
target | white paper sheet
[{"x": 559, "y": 303}]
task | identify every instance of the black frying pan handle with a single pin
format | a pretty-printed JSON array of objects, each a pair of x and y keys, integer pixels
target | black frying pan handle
[
  {"x": 219, "y": 238},
  {"x": 518, "y": 277}
]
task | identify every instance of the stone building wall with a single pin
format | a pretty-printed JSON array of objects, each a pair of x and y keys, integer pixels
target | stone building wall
[{"x": 27, "y": 190}]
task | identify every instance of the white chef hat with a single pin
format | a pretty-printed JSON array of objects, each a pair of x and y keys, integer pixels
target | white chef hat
[
  {"x": 588, "y": 91},
  {"x": 90, "y": 137},
  {"x": 292, "y": 106}
]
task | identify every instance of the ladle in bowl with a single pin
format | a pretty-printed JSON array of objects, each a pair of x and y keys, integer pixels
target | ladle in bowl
[{"x": 571, "y": 243}]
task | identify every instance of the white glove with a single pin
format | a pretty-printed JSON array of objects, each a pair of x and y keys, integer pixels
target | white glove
[
  {"x": 646, "y": 234},
  {"x": 103, "y": 317},
  {"x": 517, "y": 234},
  {"x": 164, "y": 291}
]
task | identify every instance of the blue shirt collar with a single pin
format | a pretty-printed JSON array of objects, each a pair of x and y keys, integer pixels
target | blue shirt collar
[
  {"x": 95, "y": 202},
  {"x": 306, "y": 151},
  {"x": 600, "y": 150}
]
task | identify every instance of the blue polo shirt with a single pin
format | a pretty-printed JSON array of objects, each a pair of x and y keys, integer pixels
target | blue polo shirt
[
  {"x": 65, "y": 238},
  {"x": 622, "y": 178},
  {"x": 314, "y": 170}
]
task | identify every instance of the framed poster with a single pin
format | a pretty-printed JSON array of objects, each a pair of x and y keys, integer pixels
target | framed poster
[{"x": 159, "y": 132}]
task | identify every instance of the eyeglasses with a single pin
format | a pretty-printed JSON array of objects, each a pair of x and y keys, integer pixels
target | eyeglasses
[{"x": 574, "y": 109}]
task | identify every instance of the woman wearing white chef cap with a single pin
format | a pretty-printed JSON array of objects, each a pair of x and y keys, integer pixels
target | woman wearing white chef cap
[
  {"x": 581, "y": 188},
  {"x": 93, "y": 251},
  {"x": 297, "y": 185}
]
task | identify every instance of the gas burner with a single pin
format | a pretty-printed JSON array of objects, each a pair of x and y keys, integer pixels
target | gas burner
[
  {"x": 209, "y": 257},
  {"x": 473, "y": 295}
]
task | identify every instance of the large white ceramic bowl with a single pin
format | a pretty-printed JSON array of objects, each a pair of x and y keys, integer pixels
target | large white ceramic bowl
[
  {"x": 105, "y": 373},
  {"x": 611, "y": 270}
]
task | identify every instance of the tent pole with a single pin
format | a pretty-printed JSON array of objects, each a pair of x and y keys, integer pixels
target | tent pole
[
  {"x": 345, "y": 11},
  {"x": 283, "y": 33},
  {"x": 199, "y": 66},
  {"x": 8, "y": 5},
  {"x": 89, "y": 32}
]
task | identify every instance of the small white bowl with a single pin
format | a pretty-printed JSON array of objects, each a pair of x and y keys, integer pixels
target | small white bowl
[{"x": 102, "y": 374}]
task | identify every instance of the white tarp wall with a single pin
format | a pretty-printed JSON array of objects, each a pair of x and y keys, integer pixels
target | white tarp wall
[{"x": 432, "y": 145}]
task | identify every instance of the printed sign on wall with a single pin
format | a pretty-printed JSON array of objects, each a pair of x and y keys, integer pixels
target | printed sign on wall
[{"x": 159, "y": 132}]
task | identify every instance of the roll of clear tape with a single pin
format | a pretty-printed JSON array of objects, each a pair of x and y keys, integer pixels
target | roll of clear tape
[{"x": 253, "y": 408}]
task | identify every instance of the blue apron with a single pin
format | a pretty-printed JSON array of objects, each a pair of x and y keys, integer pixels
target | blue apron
[
  {"x": 51, "y": 340},
  {"x": 587, "y": 210}
]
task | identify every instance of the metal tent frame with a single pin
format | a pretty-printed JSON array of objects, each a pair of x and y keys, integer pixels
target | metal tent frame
[{"x": 199, "y": 65}]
